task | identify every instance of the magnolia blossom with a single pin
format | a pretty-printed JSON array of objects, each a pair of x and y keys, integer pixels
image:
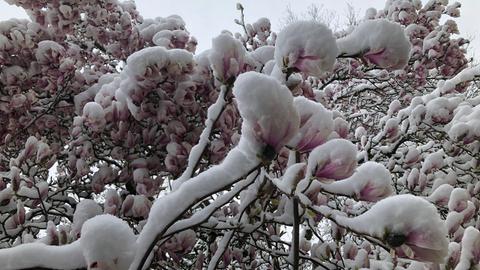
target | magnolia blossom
[
  {"x": 227, "y": 57},
  {"x": 266, "y": 107},
  {"x": 470, "y": 252},
  {"x": 180, "y": 244},
  {"x": 395, "y": 221},
  {"x": 336, "y": 159},
  {"x": 94, "y": 116},
  {"x": 371, "y": 181},
  {"x": 306, "y": 46},
  {"x": 379, "y": 41},
  {"x": 316, "y": 124}
]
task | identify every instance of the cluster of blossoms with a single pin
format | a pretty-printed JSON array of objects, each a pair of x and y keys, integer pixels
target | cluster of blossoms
[{"x": 122, "y": 147}]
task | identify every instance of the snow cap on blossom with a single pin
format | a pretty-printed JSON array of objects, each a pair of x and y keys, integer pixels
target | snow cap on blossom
[
  {"x": 227, "y": 57},
  {"x": 146, "y": 68},
  {"x": 335, "y": 159},
  {"x": 441, "y": 195},
  {"x": 269, "y": 118},
  {"x": 395, "y": 220},
  {"x": 371, "y": 182},
  {"x": 470, "y": 255},
  {"x": 107, "y": 243},
  {"x": 316, "y": 124},
  {"x": 49, "y": 51},
  {"x": 306, "y": 46},
  {"x": 84, "y": 210},
  {"x": 379, "y": 41},
  {"x": 94, "y": 116}
]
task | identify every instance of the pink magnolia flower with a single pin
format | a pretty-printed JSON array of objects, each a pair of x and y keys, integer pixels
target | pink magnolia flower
[
  {"x": 395, "y": 221},
  {"x": 180, "y": 244},
  {"x": 378, "y": 41},
  {"x": 227, "y": 57},
  {"x": 335, "y": 159},
  {"x": 316, "y": 124},
  {"x": 470, "y": 251},
  {"x": 269, "y": 118},
  {"x": 370, "y": 182},
  {"x": 94, "y": 116},
  {"x": 306, "y": 46},
  {"x": 136, "y": 206},
  {"x": 113, "y": 202}
]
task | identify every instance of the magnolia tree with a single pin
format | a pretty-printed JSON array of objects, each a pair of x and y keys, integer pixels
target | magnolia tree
[{"x": 124, "y": 149}]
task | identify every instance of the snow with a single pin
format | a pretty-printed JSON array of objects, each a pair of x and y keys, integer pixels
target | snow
[
  {"x": 433, "y": 161},
  {"x": 108, "y": 240},
  {"x": 264, "y": 104},
  {"x": 453, "y": 221},
  {"x": 47, "y": 51},
  {"x": 458, "y": 199},
  {"x": 85, "y": 209},
  {"x": 335, "y": 159},
  {"x": 34, "y": 255},
  {"x": 226, "y": 57},
  {"x": 382, "y": 42},
  {"x": 470, "y": 256},
  {"x": 195, "y": 154},
  {"x": 441, "y": 194},
  {"x": 371, "y": 181},
  {"x": 263, "y": 54},
  {"x": 307, "y": 46},
  {"x": 316, "y": 124},
  {"x": 290, "y": 178},
  {"x": 396, "y": 217},
  {"x": 168, "y": 208},
  {"x": 465, "y": 125}
]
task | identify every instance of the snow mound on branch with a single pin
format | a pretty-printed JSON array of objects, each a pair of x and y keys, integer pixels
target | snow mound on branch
[
  {"x": 306, "y": 46},
  {"x": 269, "y": 118},
  {"x": 380, "y": 41}
]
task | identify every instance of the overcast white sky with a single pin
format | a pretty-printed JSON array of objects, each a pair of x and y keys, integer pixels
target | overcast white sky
[{"x": 207, "y": 18}]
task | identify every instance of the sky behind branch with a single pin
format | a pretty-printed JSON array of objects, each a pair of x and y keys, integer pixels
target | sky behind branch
[{"x": 205, "y": 19}]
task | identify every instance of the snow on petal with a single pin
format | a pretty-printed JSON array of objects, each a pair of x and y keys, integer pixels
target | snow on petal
[
  {"x": 395, "y": 221},
  {"x": 227, "y": 57},
  {"x": 470, "y": 254},
  {"x": 109, "y": 242},
  {"x": 380, "y": 41},
  {"x": 335, "y": 159},
  {"x": 370, "y": 182},
  {"x": 316, "y": 124},
  {"x": 94, "y": 116},
  {"x": 306, "y": 46},
  {"x": 266, "y": 107},
  {"x": 84, "y": 210}
]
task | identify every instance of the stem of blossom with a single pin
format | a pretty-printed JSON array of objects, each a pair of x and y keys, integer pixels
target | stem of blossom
[{"x": 296, "y": 233}]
